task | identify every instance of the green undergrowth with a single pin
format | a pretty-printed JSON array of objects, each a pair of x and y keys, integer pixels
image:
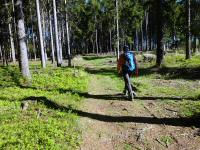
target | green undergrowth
[
  {"x": 186, "y": 108},
  {"x": 40, "y": 126},
  {"x": 178, "y": 60},
  {"x": 100, "y": 60},
  {"x": 179, "y": 78},
  {"x": 167, "y": 140}
]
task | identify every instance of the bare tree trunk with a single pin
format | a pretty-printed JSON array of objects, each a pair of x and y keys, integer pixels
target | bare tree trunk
[
  {"x": 63, "y": 32},
  {"x": 100, "y": 40},
  {"x": 110, "y": 41},
  {"x": 44, "y": 34},
  {"x": 33, "y": 38},
  {"x": 28, "y": 51},
  {"x": 15, "y": 30},
  {"x": 22, "y": 44},
  {"x": 4, "y": 55},
  {"x": 141, "y": 28},
  {"x": 137, "y": 40},
  {"x": 68, "y": 43},
  {"x": 13, "y": 6},
  {"x": 51, "y": 36},
  {"x": 188, "y": 32},
  {"x": 12, "y": 45},
  {"x": 34, "y": 48},
  {"x": 117, "y": 21},
  {"x": 93, "y": 46},
  {"x": 1, "y": 54},
  {"x": 97, "y": 47},
  {"x": 60, "y": 44},
  {"x": 43, "y": 60},
  {"x": 159, "y": 33},
  {"x": 197, "y": 45},
  {"x": 146, "y": 27},
  {"x": 56, "y": 34},
  {"x": 68, "y": 39},
  {"x": 150, "y": 41},
  {"x": 15, "y": 34}
]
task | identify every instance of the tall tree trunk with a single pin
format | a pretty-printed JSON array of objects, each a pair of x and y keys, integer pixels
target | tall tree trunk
[
  {"x": 22, "y": 36},
  {"x": 33, "y": 38},
  {"x": 146, "y": 28},
  {"x": 44, "y": 34},
  {"x": 12, "y": 45},
  {"x": 43, "y": 60},
  {"x": 150, "y": 41},
  {"x": 29, "y": 53},
  {"x": 60, "y": 44},
  {"x": 110, "y": 35},
  {"x": 97, "y": 46},
  {"x": 56, "y": 34},
  {"x": 188, "y": 32},
  {"x": 51, "y": 36},
  {"x": 1, "y": 54},
  {"x": 34, "y": 48},
  {"x": 14, "y": 19},
  {"x": 197, "y": 45},
  {"x": 100, "y": 41},
  {"x": 68, "y": 38},
  {"x": 117, "y": 22},
  {"x": 63, "y": 33},
  {"x": 15, "y": 31},
  {"x": 159, "y": 32},
  {"x": 137, "y": 40},
  {"x": 141, "y": 28},
  {"x": 68, "y": 44},
  {"x": 93, "y": 46},
  {"x": 4, "y": 55},
  {"x": 87, "y": 51}
]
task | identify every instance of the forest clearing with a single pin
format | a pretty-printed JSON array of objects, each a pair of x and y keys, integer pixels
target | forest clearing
[{"x": 100, "y": 74}]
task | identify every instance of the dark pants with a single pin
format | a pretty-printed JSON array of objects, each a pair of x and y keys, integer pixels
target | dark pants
[{"x": 127, "y": 82}]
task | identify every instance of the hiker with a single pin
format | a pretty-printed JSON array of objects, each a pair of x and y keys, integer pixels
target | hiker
[{"x": 126, "y": 66}]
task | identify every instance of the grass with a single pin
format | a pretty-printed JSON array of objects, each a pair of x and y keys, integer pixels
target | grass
[
  {"x": 128, "y": 146},
  {"x": 179, "y": 60},
  {"x": 40, "y": 127},
  {"x": 187, "y": 108},
  {"x": 167, "y": 140}
]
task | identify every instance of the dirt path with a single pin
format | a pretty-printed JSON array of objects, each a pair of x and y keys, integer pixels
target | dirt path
[{"x": 122, "y": 124}]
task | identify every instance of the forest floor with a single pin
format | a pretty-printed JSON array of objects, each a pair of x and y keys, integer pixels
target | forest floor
[
  {"x": 82, "y": 107},
  {"x": 160, "y": 117}
]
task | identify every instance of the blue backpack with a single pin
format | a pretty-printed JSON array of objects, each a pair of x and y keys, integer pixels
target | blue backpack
[{"x": 130, "y": 62}]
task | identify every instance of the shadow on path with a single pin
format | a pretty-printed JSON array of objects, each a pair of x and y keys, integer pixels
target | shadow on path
[
  {"x": 168, "y": 73},
  {"x": 184, "y": 122},
  {"x": 121, "y": 97}
]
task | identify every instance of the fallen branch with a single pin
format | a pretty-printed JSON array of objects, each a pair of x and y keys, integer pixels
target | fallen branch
[
  {"x": 171, "y": 110},
  {"x": 160, "y": 142}
]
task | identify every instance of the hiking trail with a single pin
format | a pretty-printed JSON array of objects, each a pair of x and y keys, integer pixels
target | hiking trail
[{"x": 112, "y": 129}]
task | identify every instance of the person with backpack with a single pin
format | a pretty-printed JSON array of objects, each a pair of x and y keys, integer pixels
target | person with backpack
[{"x": 127, "y": 65}]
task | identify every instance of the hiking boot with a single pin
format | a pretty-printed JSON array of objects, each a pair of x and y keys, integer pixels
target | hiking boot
[
  {"x": 125, "y": 92},
  {"x": 131, "y": 97},
  {"x": 134, "y": 93}
]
